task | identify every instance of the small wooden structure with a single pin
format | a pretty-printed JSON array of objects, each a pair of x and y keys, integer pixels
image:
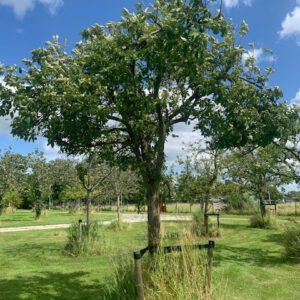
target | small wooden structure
[
  {"x": 270, "y": 203},
  {"x": 207, "y": 215}
]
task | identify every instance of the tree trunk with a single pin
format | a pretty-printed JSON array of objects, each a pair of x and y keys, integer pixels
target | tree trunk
[
  {"x": 88, "y": 207},
  {"x": 118, "y": 210},
  {"x": 262, "y": 208},
  {"x": 205, "y": 215},
  {"x": 153, "y": 217},
  {"x": 202, "y": 204}
]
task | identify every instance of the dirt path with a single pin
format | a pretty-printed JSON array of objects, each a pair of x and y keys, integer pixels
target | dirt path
[{"x": 128, "y": 218}]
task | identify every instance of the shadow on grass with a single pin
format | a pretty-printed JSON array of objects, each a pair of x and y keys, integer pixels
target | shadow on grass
[
  {"x": 262, "y": 257},
  {"x": 274, "y": 238},
  {"x": 53, "y": 286},
  {"x": 238, "y": 226}
]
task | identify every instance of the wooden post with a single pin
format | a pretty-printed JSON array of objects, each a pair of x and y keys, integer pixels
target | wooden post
[
  {"x": 206, "y": 223},
  {"x": 80, "y": 230},
  {"x": 211, "y": 245},
  {"x": 139, "y": 276},
  {"x": 218, "y": 220}
]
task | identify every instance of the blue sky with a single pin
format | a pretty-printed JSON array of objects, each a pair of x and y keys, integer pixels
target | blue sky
[{"x": 27, "y": 24}]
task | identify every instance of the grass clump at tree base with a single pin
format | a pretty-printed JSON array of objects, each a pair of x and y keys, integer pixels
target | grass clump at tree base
[
  {"x": 85, "y": 241},
  {"x": 267, "y": 222},
  {"x": 198, "y": 229},
  {"x": 172, "y": 276}
]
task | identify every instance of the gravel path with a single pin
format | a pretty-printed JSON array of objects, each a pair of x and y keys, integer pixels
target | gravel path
[{"x": 128, "y": 218}]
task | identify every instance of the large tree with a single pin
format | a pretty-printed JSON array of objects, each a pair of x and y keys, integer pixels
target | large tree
[{"x": 126, "y": 84}]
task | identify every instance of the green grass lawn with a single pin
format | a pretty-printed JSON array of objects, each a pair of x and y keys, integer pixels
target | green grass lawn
[
  {"x": 26, "y": 218},
  {"x": 248, "y": 264}
]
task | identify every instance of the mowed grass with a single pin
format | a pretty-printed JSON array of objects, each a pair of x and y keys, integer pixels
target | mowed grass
[
  {"x": 26, "y": 217},
  {"x": 248, "y": 264}
]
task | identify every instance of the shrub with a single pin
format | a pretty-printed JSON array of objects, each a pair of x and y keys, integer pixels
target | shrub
[
  {"x": 257, "y": 221},
  {"x": 38, "y": 209},
  {"x": 198, "y": 228},
  {"x": 291, "y": 242},
  {"x": 90, "y": 242},
  {"x": 177, "y": 276},
  {"x": 9, "y": 202}
]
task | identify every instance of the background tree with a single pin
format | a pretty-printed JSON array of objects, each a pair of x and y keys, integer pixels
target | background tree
[
  {"x": 13, "y": 168},
  {"x": 261, "y": 170},
  {"x": 63, "y": 176},
  {"x": 125, "y": 86}
]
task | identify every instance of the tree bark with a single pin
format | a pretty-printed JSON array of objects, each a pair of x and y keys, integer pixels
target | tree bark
[
  {"x": 205, "y": 215},
  {"x": 262, "y": 208},
  {"x": 118, "y": 210},
  {"x": 153, "y": 217},
  {"x": 88, "y": 207}
]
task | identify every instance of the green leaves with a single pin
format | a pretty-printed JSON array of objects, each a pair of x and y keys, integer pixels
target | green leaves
[
  {"x": 244, "y": 28},
  {"x": 126, "y": 84}
]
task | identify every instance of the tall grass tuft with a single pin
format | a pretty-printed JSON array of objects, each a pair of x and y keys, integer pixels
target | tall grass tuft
[
  {"x": 118, "y": 226},
  {"x": 291, "y": 242},
  {"x": 172, "y": 276},
  {"x": 199, "y": 230},
  {"x": 89, "y": 242},
  {"x": 268, "y": 222}
]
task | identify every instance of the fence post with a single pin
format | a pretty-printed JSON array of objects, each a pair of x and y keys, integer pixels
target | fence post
[
  {"x": 206, "y": 223},
  {"x": 139, "y": 276},
  {"x": 211, "y": 245},
  {"x": 218, "y": 220},
  {"x": 80, "y": 230}
]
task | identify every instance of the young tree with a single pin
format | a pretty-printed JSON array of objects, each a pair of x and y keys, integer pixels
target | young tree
[
  {"x": 125, "y": 86},
  {"x": 186, "y": 189},
  {"x": 92, "y": 174},
  {"x": 122, "y": 183},
  {"x": 40, "y": 180},
  {"x": 208, "y": 163}
]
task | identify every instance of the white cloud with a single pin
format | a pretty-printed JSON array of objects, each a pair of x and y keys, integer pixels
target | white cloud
[
  {"x": 233, "y": 3},
  {"x": 290, "y": 26},
  {"x": 174, "y": 145},
  {"x": 259, "y": 55},
  {"x": 296, "y": 99},
  {"x": 51, "y": 152},
  {"x": 21, "y": 7},
  {"x": 4, "y": 121},
  {"x": 5, "y": 126}
]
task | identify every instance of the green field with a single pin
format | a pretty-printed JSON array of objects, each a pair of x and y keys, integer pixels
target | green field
[
  {"x": 248, "y": 264},
  {"x": 26, "y": 218}
]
